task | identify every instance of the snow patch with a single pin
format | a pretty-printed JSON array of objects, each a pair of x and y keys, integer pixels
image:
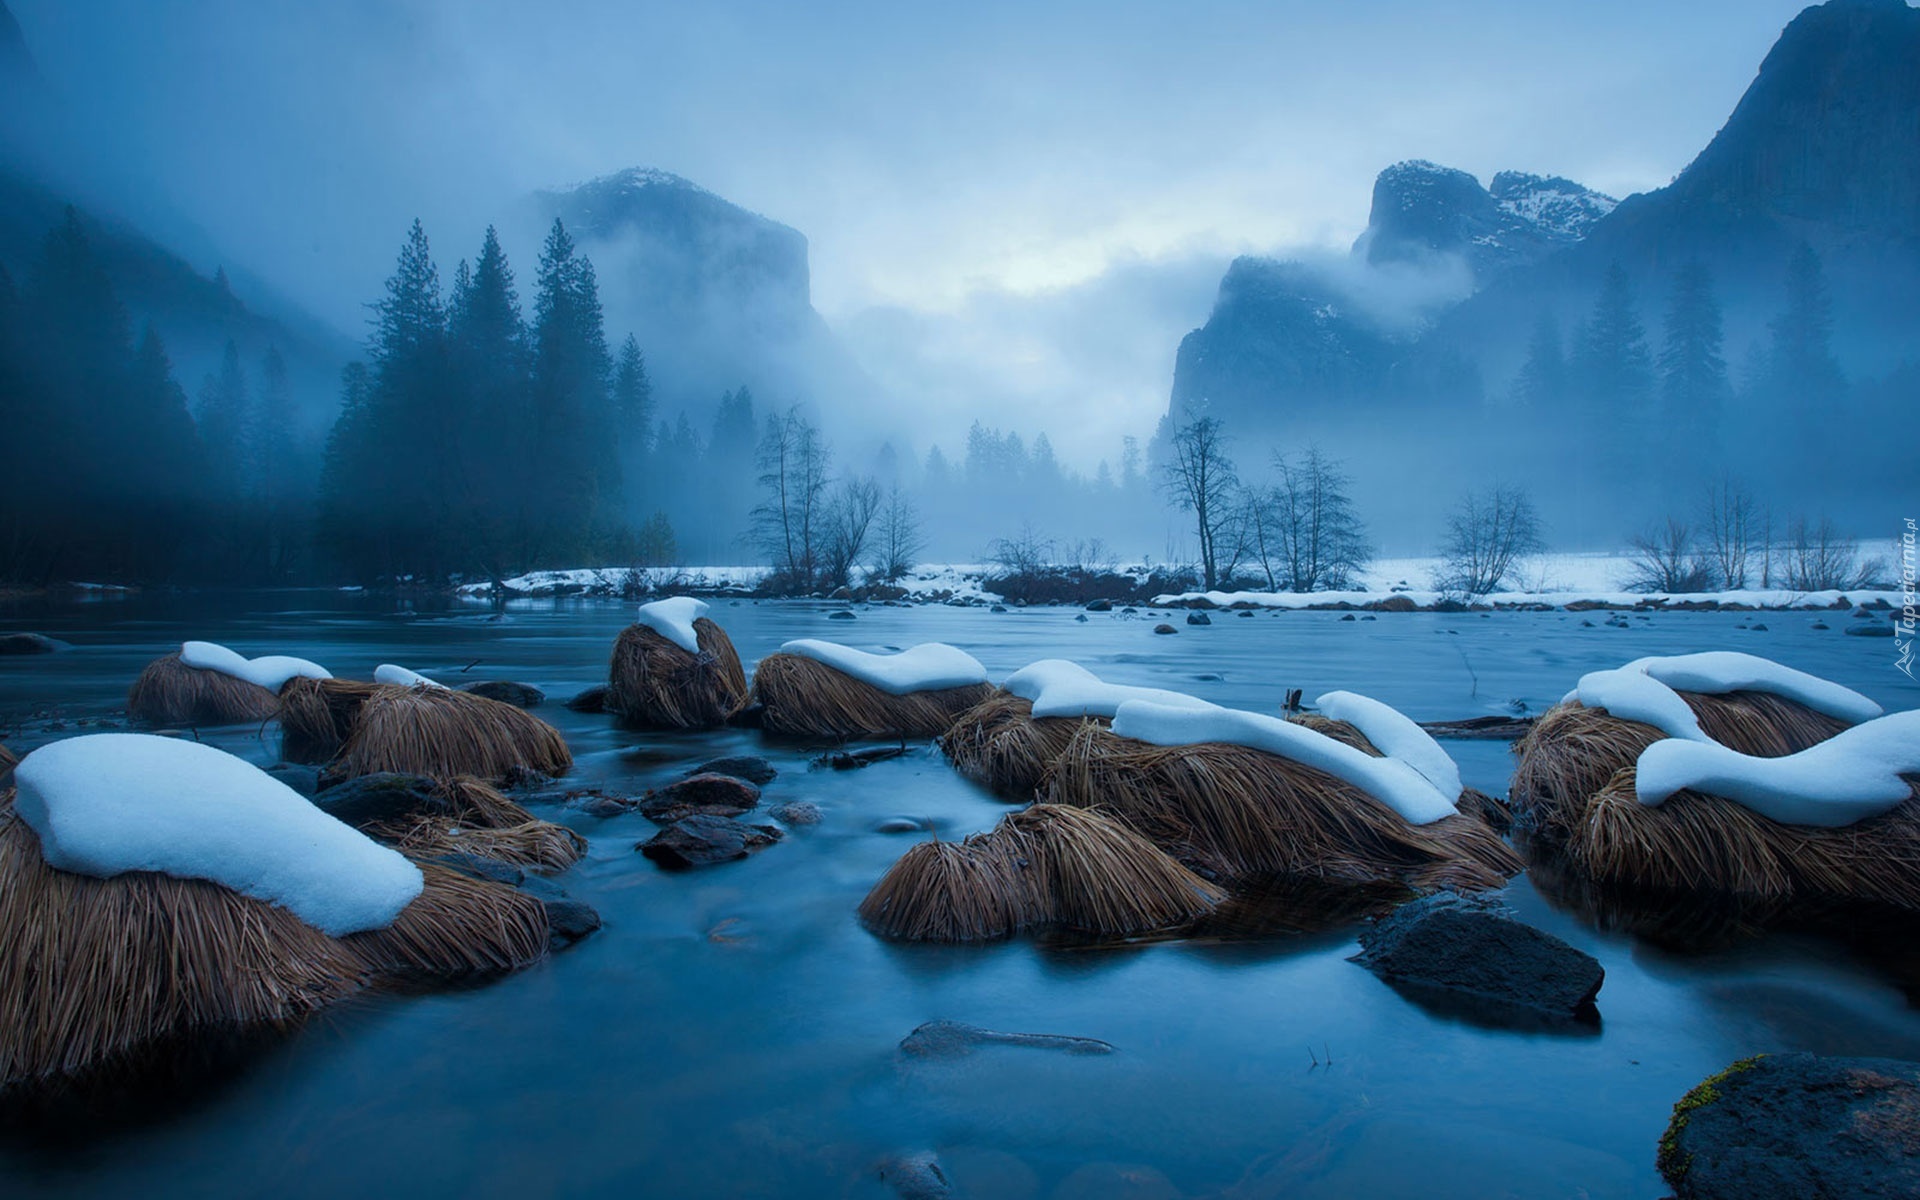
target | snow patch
[
  {"x": 108, "y": 803},
  {"x": 270, "y": 671},
  {"x": 1716, "y": 672},
  {"x": 928, "y": 667},
  {"x": 1633, "y": 695},
  {"x": 1395, "y": 735},
  {"x": 402, "y": 677},
  {"x": 1854, "y": 775},
  {"x": 1059, "y": 688},
  {"x": 1388, "y": 780},
  {"x": 673, "y": 619}
]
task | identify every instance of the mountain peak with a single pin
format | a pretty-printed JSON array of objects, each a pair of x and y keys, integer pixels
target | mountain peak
[{"x": 1422, "y": 210}]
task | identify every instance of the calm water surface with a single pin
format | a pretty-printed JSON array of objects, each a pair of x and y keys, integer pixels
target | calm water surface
[{"x": 733, "y": 1032}]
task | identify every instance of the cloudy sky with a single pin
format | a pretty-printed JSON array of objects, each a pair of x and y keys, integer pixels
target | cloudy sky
[{"x": 1014, "y": 208}]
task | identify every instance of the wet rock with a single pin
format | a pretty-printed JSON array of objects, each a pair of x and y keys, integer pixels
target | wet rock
[
  {"x": 797, "y": 812},
  {"x": 30, "y": 643},
  {"x": 841, "y": 593},
  {"x": 842, "y": 615},
  {"x": 383, "y": 796},
  {"x": 1100, "y": 606},
  {"x": 600, "y": 804},
  {"x": 302, "y": 779},
  {"x": 520, "y": 695},
  {"x": 1245, "y": 613},
  {"x": 1820, "y": 625},
  {"x": 916, "y": 1176},
  {"x": 1471, "y": 955},
  {"x": 1871, "y": 629},
  {"x": 957, "y": 1039},
  {"x": 593, "y": 700},
  {"x": 750, "y": 767},
  {"x": 1759, "y": 627},
  {"x": 1199, "y": 618},
  {"x": 1080, "y": 617},
  {"x": 651, "y": 756},
  {"x": 703, "y": 840},
  {"x": 903, "y": 825},
  {"x": 1164, "y": 628},
  {"x": 569, "y": 920},
  {"x": 490, "y": 869},
  {"x": 1349, "y": 617},
  {"x": 1369, "y": 617},
  {"x": 1795, "y": 1126},
  {"x": 997, "y": 608},
  {"x": 709, "y": 795}
]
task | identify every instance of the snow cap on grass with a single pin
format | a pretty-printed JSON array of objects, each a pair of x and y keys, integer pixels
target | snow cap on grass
[
  {"x": 1715, "y": 672},
  {"x": 113, "y": 802},
  {"x": 1631, "y": 695},
  {"x": 1059, "y": 688},
  {"x": 400, "y": 676},
  {"x": 270, "y": 671},
  {"x": 928, "y": 667},
  {"x": 1395, "y": 735},
  {"x": 1853, "y": 775},
  {"x": 673, "y": 620},
  {"x": 1388, "y": 780}
]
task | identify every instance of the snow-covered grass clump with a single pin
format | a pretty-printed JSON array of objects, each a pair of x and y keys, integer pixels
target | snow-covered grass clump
[
  {"x": 673, "y": 619},
  {"x": 1648, "y": 689},
  {"x": 270, "y": 671},
  {"x": 1395, "y": 735},
  {"x": 402, "y": 677},
  {"x": 928, "y": 667},
  {"x": 1059, "y": 688},
  {"x": 1388, "y": 780},
  {"x": 108, "y": 803},
  {"x": 1853, "y": 775}
]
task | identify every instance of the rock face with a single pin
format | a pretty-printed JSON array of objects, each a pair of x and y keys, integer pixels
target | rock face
[
  {"x": 707, "y": 794},
  {"x": 1422, "y": 211},
  {"x": 383, "y": 796},
  {"x": 1798, "y": 1126},
  {"x": 1469, "y": 954},
  {"x": 520, "y": 695},
  {"x": 703, "y": 840}
]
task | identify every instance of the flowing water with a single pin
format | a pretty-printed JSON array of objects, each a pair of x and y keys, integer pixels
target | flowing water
[{"x": 733, "y": 1031}]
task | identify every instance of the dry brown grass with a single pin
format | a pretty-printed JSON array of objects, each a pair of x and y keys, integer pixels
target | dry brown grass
[
  {"x": 1573, "y": 751},
  {"x": 1001, "y": 745},
  {"x": 93, "y": 972},
  {"x": 1244, "y": 815},
  {"x": 7, "y": 763},
  {"x": 443, "y": 733},
  {"x": 317, "y": 716},
  {"x": 169, "y": 692},
  {"x": 1707, "y": 844},
  {"x": 481, "y": 822},
  {"x": 805, "y": 698},
  {"x": 655, "y": 684},
  {"x": 1472, "y": 803},
  {"x": 1068, "y": 868}
]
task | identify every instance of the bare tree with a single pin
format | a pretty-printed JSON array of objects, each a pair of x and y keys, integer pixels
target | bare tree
[
  {"x": 1488, "y": 534},
  {"x": 1260, "y": 528},
  {"x": 849, "y": 521},
  {"x": 1731, "y": 532},
  {"x": 1322, "y": 542},
  {"x": 1200, "y": 479},
  {"x": 1025, "y": 554},
  {"x": 1820, "y": 558},
  {"x": 1665, "y": 560},
  {"x": 898, "y": 539},
  {"x": 789, "y": 521}
]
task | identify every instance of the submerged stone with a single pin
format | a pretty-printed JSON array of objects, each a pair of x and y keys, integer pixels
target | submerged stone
[
  {"x": 798, "y": 812},
  {"x": 593, "y": 700},
  {"x": 711, "y": 795},
  {"x": 750, "y": 767},
  {"x": 30, "y": 643},
  {"x": 957, "y": 1039},
  {"x": 382, "y": 796},
  {"x": 916, "y": 1176},
  {"x": 520, "y": 695}
]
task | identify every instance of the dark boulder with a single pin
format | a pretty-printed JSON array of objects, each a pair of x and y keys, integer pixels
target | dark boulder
[
  {"x": 916, "y": 1176},
  {"x": 1798, "y": 1126},
  {"x": 1199, "y": 618},
  {"x": 1100, "y": 606},
  {"x": 1473, "y": 959},
  {"x": 1163, "y": 627},
  {"x": 702, "y": 840},
  {"x": 1870, "y": 629},
  {"x": 842, "y": 615},
  {"x": 750, "y": 767},
  {"x": 957, "y": 1039},
  {"x": 568, "y": 920},
  {"x": 520, "y": 695},
  {"x": 383, "y": 796},
  {"x": 30, "y": 643},
  {"x": 593, "y": 700},
  {"x": 708, "y": 795}
]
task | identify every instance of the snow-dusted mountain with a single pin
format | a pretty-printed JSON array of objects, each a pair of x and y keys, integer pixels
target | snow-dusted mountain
[{"x": 1423, "y": 211}]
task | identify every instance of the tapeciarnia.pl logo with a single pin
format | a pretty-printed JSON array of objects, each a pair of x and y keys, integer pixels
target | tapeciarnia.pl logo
[{"x": 1904, "y": 627}]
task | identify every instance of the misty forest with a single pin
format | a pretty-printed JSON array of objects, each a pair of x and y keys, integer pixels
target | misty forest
[{"x": 1017, "y": 602}]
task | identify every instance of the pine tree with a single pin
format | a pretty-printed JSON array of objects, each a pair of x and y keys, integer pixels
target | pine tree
[
  {"x": 634, "y": 410},
  {"x": 1694, "y": 391},
  {"x": 1804, "y": 381},
  {"x": 489, "y": 357},
  {"x": 1542, "y": 381},
  {"x": 1613, "y": 375},
  {"x": 573, "y": 426}
]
